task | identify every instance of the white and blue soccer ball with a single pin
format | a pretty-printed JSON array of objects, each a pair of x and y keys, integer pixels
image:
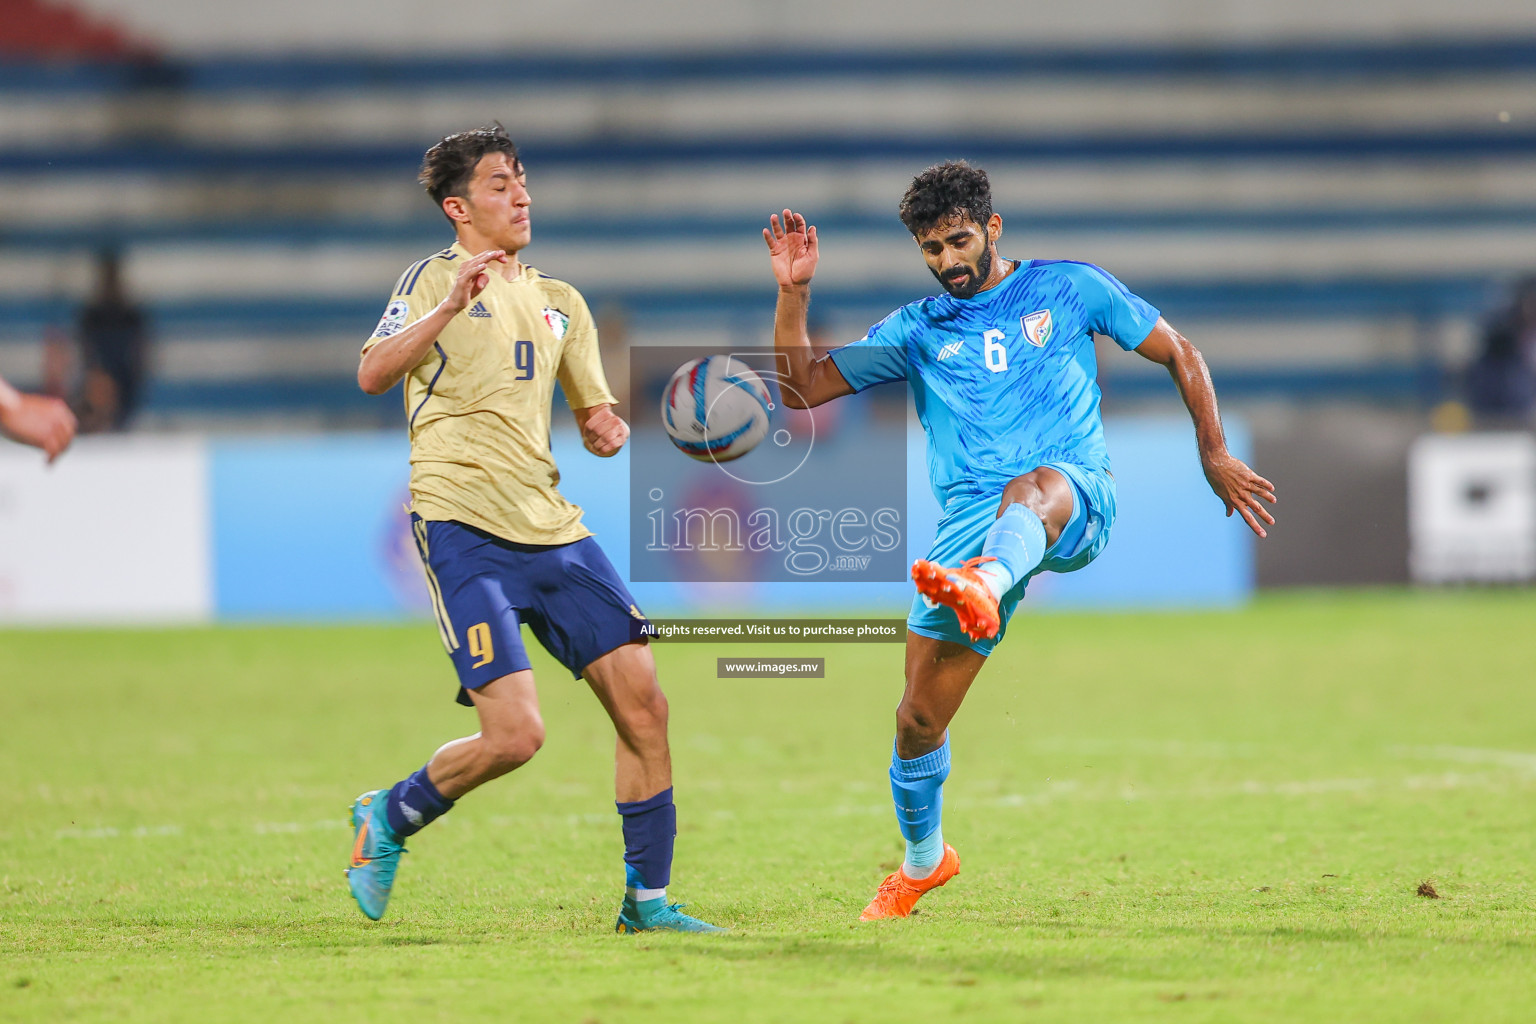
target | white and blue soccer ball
[{"x": 715, "y": 409}]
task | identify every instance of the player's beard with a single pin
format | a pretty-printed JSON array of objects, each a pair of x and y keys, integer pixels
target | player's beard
[{"x": 966, "y": 287}]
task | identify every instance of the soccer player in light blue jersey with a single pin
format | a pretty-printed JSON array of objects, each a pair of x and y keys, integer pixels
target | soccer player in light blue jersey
[{"x": 1003, "y": 374}]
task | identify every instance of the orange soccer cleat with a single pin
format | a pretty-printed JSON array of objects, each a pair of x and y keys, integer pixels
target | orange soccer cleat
[
  {"x": 963, "y": 590},
  {"x": 898, "y": 894}
]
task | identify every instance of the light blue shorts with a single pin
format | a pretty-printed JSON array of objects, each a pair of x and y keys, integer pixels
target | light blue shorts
[{"x": 963, "y": 532}]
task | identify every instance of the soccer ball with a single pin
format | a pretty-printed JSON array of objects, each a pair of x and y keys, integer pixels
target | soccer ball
[{"x": 715, "y": 409}]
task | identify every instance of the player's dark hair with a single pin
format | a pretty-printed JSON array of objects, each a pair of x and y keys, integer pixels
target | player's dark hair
[
  {"x": 945, "y": 191},
  {"x": 448, "y": 166}
]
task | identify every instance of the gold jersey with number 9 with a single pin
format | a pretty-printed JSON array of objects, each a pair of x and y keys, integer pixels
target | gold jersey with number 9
[{"x": 478, "y": 407}]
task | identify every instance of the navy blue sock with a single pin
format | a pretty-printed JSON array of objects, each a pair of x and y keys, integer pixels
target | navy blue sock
[
  {"x": 650, "y": 826},
  {"x": 414, "y": 803}
]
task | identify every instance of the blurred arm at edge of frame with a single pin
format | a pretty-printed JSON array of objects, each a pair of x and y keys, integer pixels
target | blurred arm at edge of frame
[{"x": 38, "y": 420}]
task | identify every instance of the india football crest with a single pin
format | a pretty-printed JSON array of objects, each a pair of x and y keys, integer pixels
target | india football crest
[
  {"x": 1037, "y": 327},
  {"x": 557, "y": 321}
]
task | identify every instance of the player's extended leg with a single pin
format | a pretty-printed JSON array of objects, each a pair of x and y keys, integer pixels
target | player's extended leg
[
  {"x": 939, "y": 673},
  {"x": 1034, "y": 509},
  {"x": 624, "y": 681},
  {"x": 511, "y": 732}
]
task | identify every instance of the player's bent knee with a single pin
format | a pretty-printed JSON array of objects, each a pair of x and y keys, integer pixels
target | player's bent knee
[
  {"x": 645, "y": 720},
  {"x": 655, "y": 709},
  {"x": 915, "y": 726},
  {"x": 513, "y": 749},
  {"x": 511, "y": 754},
  {"x": 1024, "y": 490}
]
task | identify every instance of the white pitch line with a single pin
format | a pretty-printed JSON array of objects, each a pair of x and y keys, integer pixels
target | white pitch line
[
  {"x": 141, "y": 832},
  {"x": 1471, "y": 755},
  {"x": 269, "y": 828},
  {"x": 1057, "y": 791},
  {"x": 1068, "y": 791}
]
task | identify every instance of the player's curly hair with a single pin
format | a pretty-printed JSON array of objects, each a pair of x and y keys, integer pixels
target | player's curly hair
[
  {"x": 448, "y": 166},
  {"x": 943, "y": 191}
]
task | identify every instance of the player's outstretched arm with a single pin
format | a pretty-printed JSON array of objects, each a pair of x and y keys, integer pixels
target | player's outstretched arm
[
  {"x": 386, "y": 362},
  {"x": 793, "y": 251},
  {"x": 39, "y": 420},
  {"x": 602, "y": 431},
  {"x": 1239, "y": 488}
]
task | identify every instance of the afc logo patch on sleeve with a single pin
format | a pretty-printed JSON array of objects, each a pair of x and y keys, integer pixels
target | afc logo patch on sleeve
[
  {"x": 393, "y": 320},
  {"x": 1037, "y": 327}
]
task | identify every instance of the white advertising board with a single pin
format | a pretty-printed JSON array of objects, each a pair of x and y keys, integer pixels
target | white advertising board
[
  {"x": 115, "y": 531},
  {"x": 1472, "y": 508}
]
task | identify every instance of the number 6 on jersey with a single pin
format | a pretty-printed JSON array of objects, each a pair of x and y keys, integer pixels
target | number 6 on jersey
[{"x": 994, "y": 351}]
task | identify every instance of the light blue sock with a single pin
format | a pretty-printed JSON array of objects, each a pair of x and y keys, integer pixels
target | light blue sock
[
  {"x": 917, "y": 787},
  {"x": 1017, "y": 542},
  {"x": 924, "y": 855}
]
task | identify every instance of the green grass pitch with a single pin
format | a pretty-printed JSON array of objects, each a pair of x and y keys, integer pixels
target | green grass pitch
[{"x": 1171, "y": 817}]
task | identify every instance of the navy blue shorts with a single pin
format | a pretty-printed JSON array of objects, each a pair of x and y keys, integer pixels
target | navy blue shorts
[{"x": 483, "y": 588}]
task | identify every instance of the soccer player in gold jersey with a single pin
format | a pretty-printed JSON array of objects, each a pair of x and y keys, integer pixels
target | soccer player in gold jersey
[{"x": 479, "y": 339}]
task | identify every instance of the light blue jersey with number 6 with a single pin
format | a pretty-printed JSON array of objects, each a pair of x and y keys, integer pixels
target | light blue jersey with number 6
[{"x": 1005, "y": 381}]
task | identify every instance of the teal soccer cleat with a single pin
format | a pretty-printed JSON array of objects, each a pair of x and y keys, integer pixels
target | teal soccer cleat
[
  {"x": 375, "y": 854},
  {"x": 659, "y": 916}
]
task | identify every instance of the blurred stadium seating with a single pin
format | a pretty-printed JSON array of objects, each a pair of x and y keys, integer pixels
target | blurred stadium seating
[{"x": 1328, "y": 219}]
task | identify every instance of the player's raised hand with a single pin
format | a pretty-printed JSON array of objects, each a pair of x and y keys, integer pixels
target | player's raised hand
[
  {"x": 474, "y": 275},
  {"x": 602, "y": 431},
  {"x": 1241, "y": 490},
  {"x": 38, "y": 420},
  {"x": 792, "y": 249}
]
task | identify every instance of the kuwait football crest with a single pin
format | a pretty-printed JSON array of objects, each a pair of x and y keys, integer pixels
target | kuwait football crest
[
  {"x": 1037, "y": 327},
  {"x": 557, "y": 321}
]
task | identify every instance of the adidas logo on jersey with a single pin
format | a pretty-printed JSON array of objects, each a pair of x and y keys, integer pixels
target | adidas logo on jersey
[
  {"x": 478, "y": 309},
  {"x": 952, "y": 349}
]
